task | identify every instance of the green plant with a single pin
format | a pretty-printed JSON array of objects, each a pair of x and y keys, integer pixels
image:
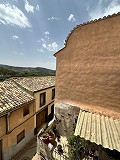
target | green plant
[
  {"x": 77, "y": 147},
  {"x": 45, "y": 135}
]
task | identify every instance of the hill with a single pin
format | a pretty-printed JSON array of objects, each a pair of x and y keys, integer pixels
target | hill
[{"x": 7, "y": 71}]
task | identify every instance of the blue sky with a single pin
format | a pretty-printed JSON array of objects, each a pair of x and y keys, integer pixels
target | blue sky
[{"x": 31, "y": 31}]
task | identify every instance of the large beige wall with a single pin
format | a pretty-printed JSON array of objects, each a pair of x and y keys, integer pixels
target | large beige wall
[
  {"x": 88, "y": 69},
  {"x": 48, "y": 98},
  {"x": 2, "y": 126},
  {"x": 11, "y": 138},
  {"x": 16, "y": 117},
  {"x": 9, "y": 141}
]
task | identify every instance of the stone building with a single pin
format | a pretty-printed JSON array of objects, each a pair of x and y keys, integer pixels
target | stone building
[
  {"x": 88, "y": 79},
  {"x": 43, "y": 90},
  {"x": 16, "y": 119}
]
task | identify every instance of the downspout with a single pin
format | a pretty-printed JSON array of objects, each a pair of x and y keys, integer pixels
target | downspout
[{"x": 8, "y": 122}]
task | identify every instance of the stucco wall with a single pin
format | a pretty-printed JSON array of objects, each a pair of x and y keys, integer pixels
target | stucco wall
[
  {"x": 16, "y": 124},
  {"x": 48, "y": 98},
  {"x": 2, "y": 126},
  {"x": 67, "y": 114},
  {"x": 50, "y": 108},
  {"x": 16, "y": 117},
  {"x": 10, "y": 146},
  {"x": 88, "y": 69}
]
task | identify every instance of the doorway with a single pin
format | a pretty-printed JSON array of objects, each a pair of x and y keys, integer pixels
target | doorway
[{"x": 41, "y": 118}]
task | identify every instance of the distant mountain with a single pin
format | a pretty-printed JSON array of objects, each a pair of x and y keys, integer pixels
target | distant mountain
[{"x": 7, "y": 71}]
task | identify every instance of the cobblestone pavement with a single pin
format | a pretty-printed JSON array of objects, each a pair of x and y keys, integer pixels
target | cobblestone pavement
[{"x": 27, "y": 152}]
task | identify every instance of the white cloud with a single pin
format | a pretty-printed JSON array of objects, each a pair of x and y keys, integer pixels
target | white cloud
[
  {"x": 40, "y": 50},
  {"x": 41, "y": 40},
  {"x": 15, "y": 37},
  {"x": 37, "y": 8},
  {"x": 71, "y": 18},
  {"x": 46, "y": 33},
  {"x": 12, "y": 15},
  {"x": 51, "y": 47},
  {"x": 53, "y": 18},
  {"x": 100, "y": 11},
  {"x": 28, "y": 7}
]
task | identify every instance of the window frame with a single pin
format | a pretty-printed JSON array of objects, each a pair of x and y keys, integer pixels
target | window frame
[
  {"x": 53, "y": 93},
  {"x": 20, "y": 136},
  {"x": 26, "y": 110},
  {"x": 44, "y": 101}
]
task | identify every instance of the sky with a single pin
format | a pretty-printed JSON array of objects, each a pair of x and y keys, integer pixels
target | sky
[{"x": 31, "y": 31}]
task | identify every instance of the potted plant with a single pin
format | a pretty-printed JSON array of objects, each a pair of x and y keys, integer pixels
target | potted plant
[
  {"x": 45, "y": 138},
  {"x": 51, "y": 137}
]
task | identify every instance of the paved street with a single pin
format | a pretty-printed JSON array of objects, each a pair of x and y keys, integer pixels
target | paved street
[{"x": 27, "y": 152}]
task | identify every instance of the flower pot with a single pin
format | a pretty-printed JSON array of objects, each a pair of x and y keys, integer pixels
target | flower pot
[
  {"x": 45, "y": 138},
  {"x": 52, "y": 138}
]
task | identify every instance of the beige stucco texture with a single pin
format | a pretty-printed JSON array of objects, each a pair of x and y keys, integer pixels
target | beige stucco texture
[
  {"x": 16, "y": 117},
  {"x": 2, "y": 126},
  {"x": 16, "y": 124},
  {"x": 88, "y": 68},
  {"x": 48, "y": 98}
]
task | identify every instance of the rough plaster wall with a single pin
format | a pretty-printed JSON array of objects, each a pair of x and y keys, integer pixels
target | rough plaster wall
[
  {"x": 18, "y": 115},
  {"x": 48, "y": 97},
  {"x": 14, "y": 148},
  {"x": 88, "y": 69},
  {"x": 66, "y": 114},
  {"x": 10, "y": 146},
  {"x": 2, "y": 126},
  {"x": 43, "y": 148}
]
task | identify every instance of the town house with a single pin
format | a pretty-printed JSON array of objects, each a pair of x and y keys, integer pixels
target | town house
[
  {"x": 17, "y": 110},
  {"x": 43, "y": 90},
  {"x": 88, "y": 82}
]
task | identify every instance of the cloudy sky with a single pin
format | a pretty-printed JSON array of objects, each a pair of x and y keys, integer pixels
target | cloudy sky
[{"x": 31, "y": 31}]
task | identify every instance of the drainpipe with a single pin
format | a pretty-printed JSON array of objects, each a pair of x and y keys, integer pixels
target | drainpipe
[{"x": 8, "y": 122}]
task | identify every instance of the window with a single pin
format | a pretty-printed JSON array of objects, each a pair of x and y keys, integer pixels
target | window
[
  {"x": 25, "y": 110},
  {"x": 42, "y": 99},
  {"x": 20, "y": 136},
  {"x": 53, "y": 93}
]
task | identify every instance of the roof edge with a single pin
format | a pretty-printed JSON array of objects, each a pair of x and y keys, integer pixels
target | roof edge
[{"x": 83, "y": 24}]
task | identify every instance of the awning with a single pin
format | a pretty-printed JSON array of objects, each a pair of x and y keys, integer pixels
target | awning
[{"x": 100, "y": 129}]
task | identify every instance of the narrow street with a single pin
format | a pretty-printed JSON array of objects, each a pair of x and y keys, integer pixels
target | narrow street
[{"x": 27, "y": 152}]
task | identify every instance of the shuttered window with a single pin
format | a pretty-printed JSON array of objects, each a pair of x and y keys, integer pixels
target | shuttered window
[
  {"x": 20, "y": 136},
  {"x": 42, "y": 99},
  {"x": 25, "y": 110},
  {"x": 53, "y": 93}
]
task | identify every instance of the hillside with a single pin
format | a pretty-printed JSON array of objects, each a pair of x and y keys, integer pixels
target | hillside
[{"x": 12, "y": 71}]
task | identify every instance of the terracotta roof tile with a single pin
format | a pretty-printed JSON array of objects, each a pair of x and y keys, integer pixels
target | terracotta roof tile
[
  {"x": 34, "y": 84},
  {"x": 12, "y": 96}
]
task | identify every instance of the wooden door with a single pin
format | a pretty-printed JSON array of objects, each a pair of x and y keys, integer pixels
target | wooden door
[
  {"x": 0, "y": 149},
  {"x": 40, "y": 118}
]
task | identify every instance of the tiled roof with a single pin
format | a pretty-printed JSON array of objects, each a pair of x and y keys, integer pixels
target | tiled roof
[
  {"x": 86, "y": 23},
  {"x": 100, "y": 129},
  {"x": 34, "y": 84},
  {"x": 12, "y": 97}
]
